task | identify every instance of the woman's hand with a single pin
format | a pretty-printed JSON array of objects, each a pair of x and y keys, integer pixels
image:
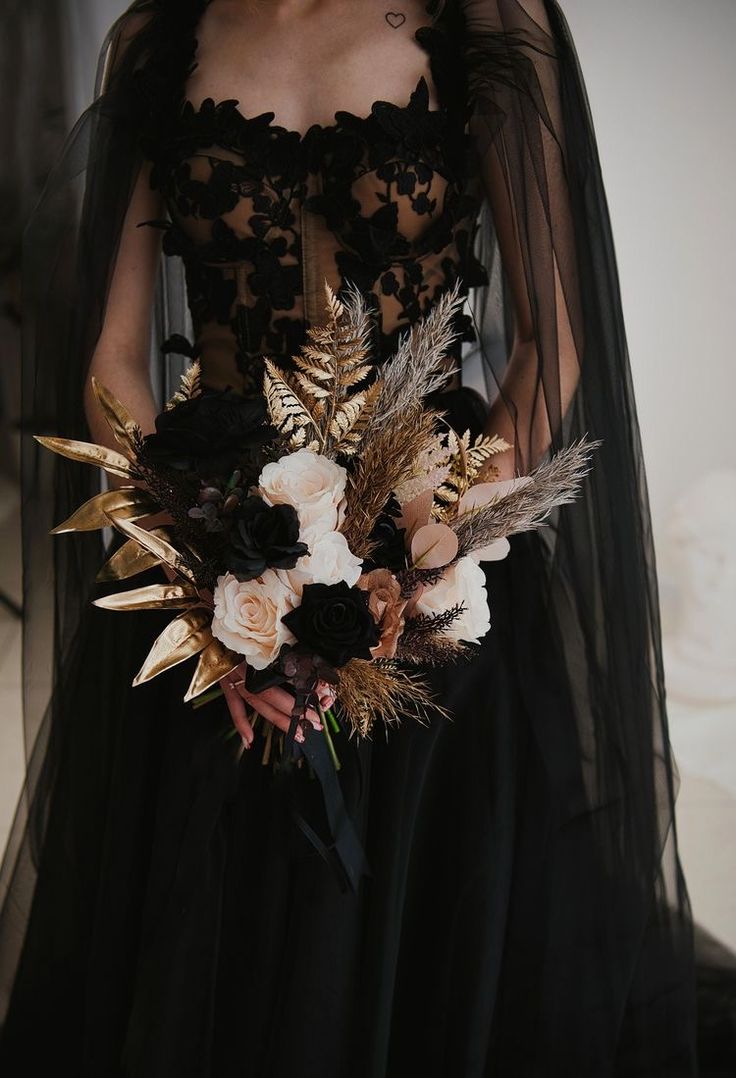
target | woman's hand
[{"x": 274, "y": 705}]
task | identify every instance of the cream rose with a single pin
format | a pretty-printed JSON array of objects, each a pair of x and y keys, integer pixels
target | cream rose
[
  {"x": 314, "y": 485},
  {"x": 248, "y": 615},
  {"x": 464, "y": 582},
  {"x": 330, "y": 560}
]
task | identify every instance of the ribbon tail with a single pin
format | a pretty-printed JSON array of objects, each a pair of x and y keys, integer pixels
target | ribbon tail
[{"x": 346, "y": 843}]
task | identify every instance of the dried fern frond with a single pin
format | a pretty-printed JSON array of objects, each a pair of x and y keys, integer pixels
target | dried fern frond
[
  {"x": 352, "y": 419},
  {"x": 555, "y": 483},
  {"x": 326, "y": 404},
  {"x": 368, "y": 691},
  {"x": 189, "y": 386},
  {"x": 288, "y": 412},
  {"x": 451, "y": 491},
  {"x": 419, "y": 366},
  {"x": 482, "y": 449},
  {"x": 466, "y": 461}
]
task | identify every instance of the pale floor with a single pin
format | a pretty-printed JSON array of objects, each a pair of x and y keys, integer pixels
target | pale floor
[{"x": 704, "y": 742}]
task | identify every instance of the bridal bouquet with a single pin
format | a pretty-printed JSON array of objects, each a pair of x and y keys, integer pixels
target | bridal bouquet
[{"x": 329, "y": 531}]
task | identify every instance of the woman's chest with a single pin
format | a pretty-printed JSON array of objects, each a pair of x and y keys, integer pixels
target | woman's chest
[{"x": 387, "y": 185}]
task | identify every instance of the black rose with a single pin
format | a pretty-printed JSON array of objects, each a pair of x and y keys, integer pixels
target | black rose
[
  {"x": 208, "y": 434},
  {"x": 388, "y": 540},
  {"x": 263, "y": 536},
  {"x": 334, "y": 621}
]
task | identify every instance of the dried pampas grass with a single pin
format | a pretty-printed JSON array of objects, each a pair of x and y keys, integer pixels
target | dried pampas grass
[
  {"x": 554, "y": 483},
  {"x": 419, "y": 366}
]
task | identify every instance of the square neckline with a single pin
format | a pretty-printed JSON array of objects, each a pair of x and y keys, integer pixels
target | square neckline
[{"x": 340, "y": 116}]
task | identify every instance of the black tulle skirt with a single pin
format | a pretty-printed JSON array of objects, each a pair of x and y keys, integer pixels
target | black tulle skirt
[{"x": 183, "y": 926}]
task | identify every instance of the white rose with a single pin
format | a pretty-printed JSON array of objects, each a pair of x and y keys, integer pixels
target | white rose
[
  {"x": 248, "y": 614},
  {"x": 314, "y": 485},
  {"x": 464, "y": 582},
  {"x": 330, "y": 560}
]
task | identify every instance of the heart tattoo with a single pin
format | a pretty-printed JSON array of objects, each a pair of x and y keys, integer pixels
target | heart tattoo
[{"x": 395, "y": 19}]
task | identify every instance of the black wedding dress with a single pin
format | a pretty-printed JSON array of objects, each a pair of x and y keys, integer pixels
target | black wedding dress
[{"x": 524, "y": 912}]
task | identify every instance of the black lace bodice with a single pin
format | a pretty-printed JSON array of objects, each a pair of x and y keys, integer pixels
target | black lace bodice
[{"x": 262, "y": 216}]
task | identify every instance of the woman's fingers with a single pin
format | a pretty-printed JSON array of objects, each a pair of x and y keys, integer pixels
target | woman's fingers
[
  {"x": 270, "y": 712},
  {"x": 325, "y": 694},
  {"x": 238, "y": 713},
  {"x": 284, "y": 701},
  {"x": 275, "y": 705},
  {"x": 281, "y": 700}
]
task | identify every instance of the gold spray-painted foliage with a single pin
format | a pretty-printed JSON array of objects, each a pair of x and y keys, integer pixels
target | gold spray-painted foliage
[
  {"x": 466, "y": 462},
  {"x": 190, "y": 386},
  {"x": 326, "y": 404}
]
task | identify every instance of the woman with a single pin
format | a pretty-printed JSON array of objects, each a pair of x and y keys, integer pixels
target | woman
[{"x": 524, "y": 912}]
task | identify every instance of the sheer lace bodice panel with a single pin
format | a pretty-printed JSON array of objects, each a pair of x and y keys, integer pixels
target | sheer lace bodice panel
[{"x": 262, "y": 216}]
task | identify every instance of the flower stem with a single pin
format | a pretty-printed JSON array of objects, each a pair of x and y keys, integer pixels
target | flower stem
[
  {"x": 333, "y": 721},
  {"x": 328, "y": 736},
  {"x": 207, "y": 697}
]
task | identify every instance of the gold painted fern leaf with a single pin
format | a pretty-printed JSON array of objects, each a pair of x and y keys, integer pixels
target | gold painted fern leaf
[
  {"x": 189, "y": 386},
  {"x": 466, "y": 463},
  {"x": 326, "y": 403},
  {"x": 482, "y": 449},
  {"x": 289, "y": 414}
]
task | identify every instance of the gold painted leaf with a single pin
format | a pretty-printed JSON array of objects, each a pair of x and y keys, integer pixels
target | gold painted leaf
[
  {"x": 316, "y": 392},
  {"x": 324, "y": 359},
  {"x": 356, "y": 375},
  {"x": 184, "y": 637},
  {"x": 125, "y": 429},
  {"x": 89, "y": 453},
  {"x": 346, "y": 415},
  {"x": 128, "y": 502},
  {"x": 351, "y": 440},
  {"x": 214, "y": 663},
  {"x": 151, "y": 597},
  {"x": 318, "y": 373},
  {"x": 129, "y": 560},
  {"x": 189, "y": 386},
  {"x": 155, "y": 544},
  {"x": 481, "y": 450},
  {"x": 288, "y": 413}
]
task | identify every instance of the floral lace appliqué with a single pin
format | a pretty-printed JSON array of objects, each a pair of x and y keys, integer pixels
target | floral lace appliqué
[{"x": 390, "y": 206}]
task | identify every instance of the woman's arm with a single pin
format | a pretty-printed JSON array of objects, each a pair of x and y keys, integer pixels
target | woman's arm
[
  {"x": 521, "y": 411},
  {"x": 121, "y": 357},
  {"x": 519, "y": 131}
]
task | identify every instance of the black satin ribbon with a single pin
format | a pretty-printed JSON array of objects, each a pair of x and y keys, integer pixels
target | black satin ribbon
[{"x": 345, "y": 854}]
